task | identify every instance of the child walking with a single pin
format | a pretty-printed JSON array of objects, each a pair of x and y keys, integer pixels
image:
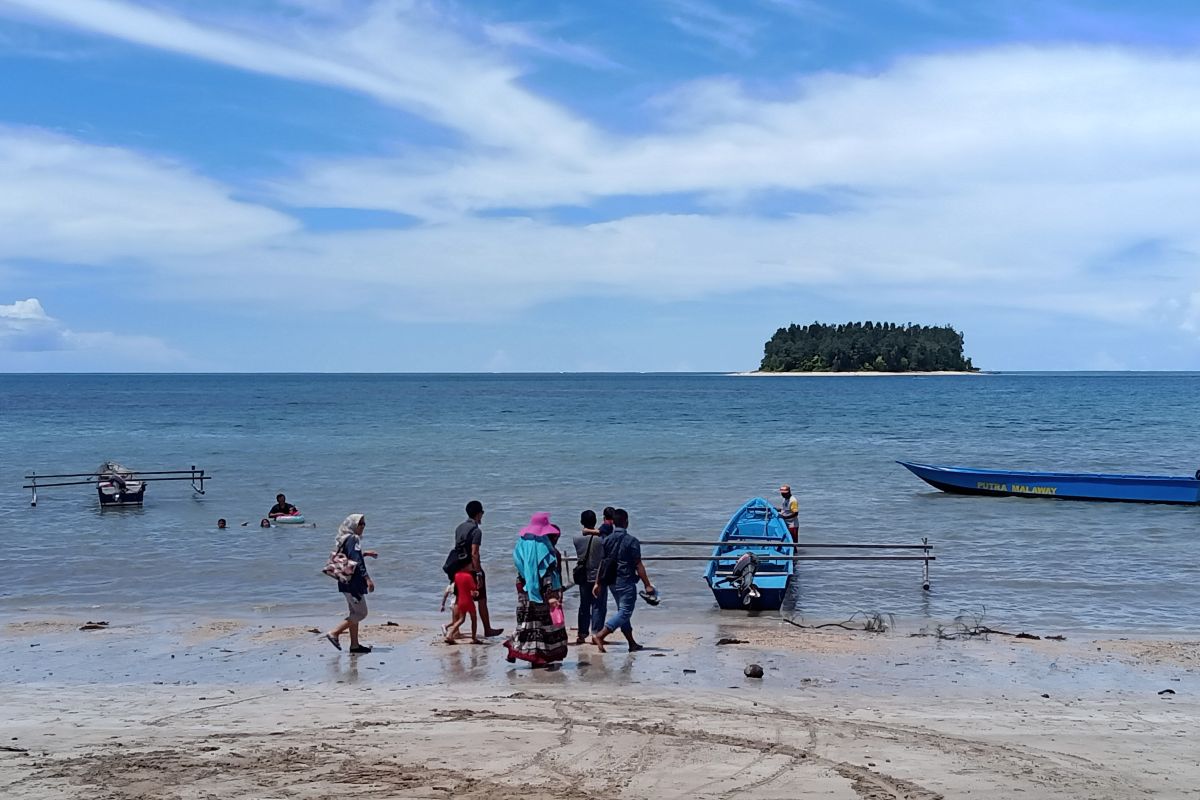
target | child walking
[{"x": 466, "y": 591}]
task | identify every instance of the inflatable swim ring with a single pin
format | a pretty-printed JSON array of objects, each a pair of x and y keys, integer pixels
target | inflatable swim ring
[{"x": 294, "y": 519}]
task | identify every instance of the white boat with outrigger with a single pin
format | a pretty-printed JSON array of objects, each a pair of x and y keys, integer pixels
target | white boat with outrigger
[{"x": 117, "y": 486}]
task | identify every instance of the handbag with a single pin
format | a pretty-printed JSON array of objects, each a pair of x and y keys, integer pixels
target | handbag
[
  {"x": 579, "y": 573},
  {"x": 340, "y": 566},
  {"x": 455, "y": 561}
]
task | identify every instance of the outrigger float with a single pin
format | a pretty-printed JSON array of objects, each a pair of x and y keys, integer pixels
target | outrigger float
[
  {"x": 752, "y": 566},
  {"x": 116, "y": 485}
]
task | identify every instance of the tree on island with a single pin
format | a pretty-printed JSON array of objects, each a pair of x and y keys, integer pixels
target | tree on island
[{"x": 865, "y": 347}]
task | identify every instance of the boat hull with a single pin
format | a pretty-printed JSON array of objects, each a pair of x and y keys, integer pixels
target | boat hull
[
  {"x": 1059, "y": 485},
  {"x": 769, "y": 599},
  {"x": 111, "y": 497},
  {"x": 758, "y": 522}
]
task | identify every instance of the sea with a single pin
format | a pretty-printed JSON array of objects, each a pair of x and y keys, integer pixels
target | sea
[{"x": 680, "y": 452}]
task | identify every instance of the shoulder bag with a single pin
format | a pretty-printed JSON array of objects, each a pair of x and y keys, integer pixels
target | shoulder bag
[
  {"x": 579, "y": 574},
  {"x": 340, "y": 566}
]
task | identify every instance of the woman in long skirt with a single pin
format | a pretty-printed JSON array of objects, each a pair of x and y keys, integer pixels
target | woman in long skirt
[{"x": 541, "y": 635}]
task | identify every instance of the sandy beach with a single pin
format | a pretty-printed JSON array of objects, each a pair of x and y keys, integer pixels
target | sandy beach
[{"x": 245, "y": 708}]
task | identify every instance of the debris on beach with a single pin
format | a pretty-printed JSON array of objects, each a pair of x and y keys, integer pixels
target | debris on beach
[
  {"x": 967, "y": 626},
  {"x": 872, "y": 622},
  {"x": 729, "y": 640},
  {"x": 753, "y": 671},
  {"x": 93, "y": 626}
]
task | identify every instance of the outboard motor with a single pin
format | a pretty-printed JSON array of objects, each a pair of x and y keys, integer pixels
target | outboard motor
[{"x": 742, "y": 577}]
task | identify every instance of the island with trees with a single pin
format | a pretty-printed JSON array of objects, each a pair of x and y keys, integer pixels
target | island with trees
[{"x": 865, "y": 347}]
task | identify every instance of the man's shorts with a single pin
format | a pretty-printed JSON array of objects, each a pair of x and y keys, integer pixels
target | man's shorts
[{"x": 358, "y": 607}]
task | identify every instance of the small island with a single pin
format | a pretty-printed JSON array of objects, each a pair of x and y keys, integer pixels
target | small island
[{"x": 865, "y": 348}]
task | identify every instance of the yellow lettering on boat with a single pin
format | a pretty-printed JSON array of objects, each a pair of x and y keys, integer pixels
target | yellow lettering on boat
[
  {"x": 993, "y": 487},
  {"x": 1023, "y": 489}
]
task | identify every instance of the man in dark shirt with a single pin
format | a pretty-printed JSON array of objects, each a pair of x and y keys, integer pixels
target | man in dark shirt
[
  {"x": 468, "y": 536},
  {"x": 589, "y": 550},
  {"x": 626, "y": 552},
  {"x": 282, "y": 508}
]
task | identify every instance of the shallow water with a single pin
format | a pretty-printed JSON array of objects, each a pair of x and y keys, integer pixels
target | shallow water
[{"x": 681, "y": 452}]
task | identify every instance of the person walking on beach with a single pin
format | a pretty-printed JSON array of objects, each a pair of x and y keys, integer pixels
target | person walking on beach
[
  {"x": 468, "y": 537},
  {"x": 355, "y": 590},
  {"x": 541, "y": 634},
  {"x": 789, "y": 510},
  {"x": 621, "y": 569},
  {"x": 589, "y": 550},
  {"x": 465, "y": 593}
]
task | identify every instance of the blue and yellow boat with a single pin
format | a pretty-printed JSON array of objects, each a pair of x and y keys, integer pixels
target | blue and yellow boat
[
  {"x": 1060, "y": 485},
  {"x": 752, "y": 565}
]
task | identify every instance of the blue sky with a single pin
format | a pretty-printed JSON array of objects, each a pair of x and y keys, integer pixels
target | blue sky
[{"x": 351, "y": 185}]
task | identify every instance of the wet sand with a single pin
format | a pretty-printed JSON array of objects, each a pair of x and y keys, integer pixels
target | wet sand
[{"x": 226, "y": 708}]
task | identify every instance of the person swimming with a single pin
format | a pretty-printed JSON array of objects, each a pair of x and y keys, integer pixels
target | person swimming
[{"x": 282, "y": 508}]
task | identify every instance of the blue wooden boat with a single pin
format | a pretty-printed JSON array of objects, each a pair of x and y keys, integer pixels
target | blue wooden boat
[
  {"x": 755, "y": 529},
  {"x": 1060, "y": 485}
]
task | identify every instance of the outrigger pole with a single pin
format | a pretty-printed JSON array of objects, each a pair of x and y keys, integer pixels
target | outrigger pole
[{"x": 925, "y": 547}]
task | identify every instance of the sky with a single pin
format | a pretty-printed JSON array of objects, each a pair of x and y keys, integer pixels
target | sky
[{"x": 552, "y": 185}]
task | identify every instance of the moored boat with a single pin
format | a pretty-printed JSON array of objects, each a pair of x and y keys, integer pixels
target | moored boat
[
  {"x": 752, "y": 565},
  {"x": 118, "y": 486},
  {"x": 1059, "y": 485}
]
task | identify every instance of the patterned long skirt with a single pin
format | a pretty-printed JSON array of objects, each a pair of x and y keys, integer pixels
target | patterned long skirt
[{"x": 537, "y": 640}]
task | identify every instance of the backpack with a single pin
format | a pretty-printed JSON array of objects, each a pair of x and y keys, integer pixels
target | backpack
[{"x": 608, "y": 567}]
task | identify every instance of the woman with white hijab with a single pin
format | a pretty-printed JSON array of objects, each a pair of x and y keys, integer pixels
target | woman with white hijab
[{"x": 355, "y": 590}]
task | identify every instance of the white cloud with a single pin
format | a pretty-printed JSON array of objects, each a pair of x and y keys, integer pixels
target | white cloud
[
  {"x": 64, "y": 200},
  {"x": 404, "y": 54},
  {"x": 993, "y": 178},
  {"x": 25, "y": 327},
  {"x": 526, "y": 37},
  {"x": 938, "y": 126},
  {"x": 710, "y": 23}
]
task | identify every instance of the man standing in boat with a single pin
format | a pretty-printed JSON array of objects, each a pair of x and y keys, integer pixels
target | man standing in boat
[
  {"x": 282, "y": 508},
  {"x": 468, "y": 536},
  {"x": 789, "y": 510}
]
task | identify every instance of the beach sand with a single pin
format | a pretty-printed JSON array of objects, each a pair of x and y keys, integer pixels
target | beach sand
[{"x": 244, "y": 708}]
